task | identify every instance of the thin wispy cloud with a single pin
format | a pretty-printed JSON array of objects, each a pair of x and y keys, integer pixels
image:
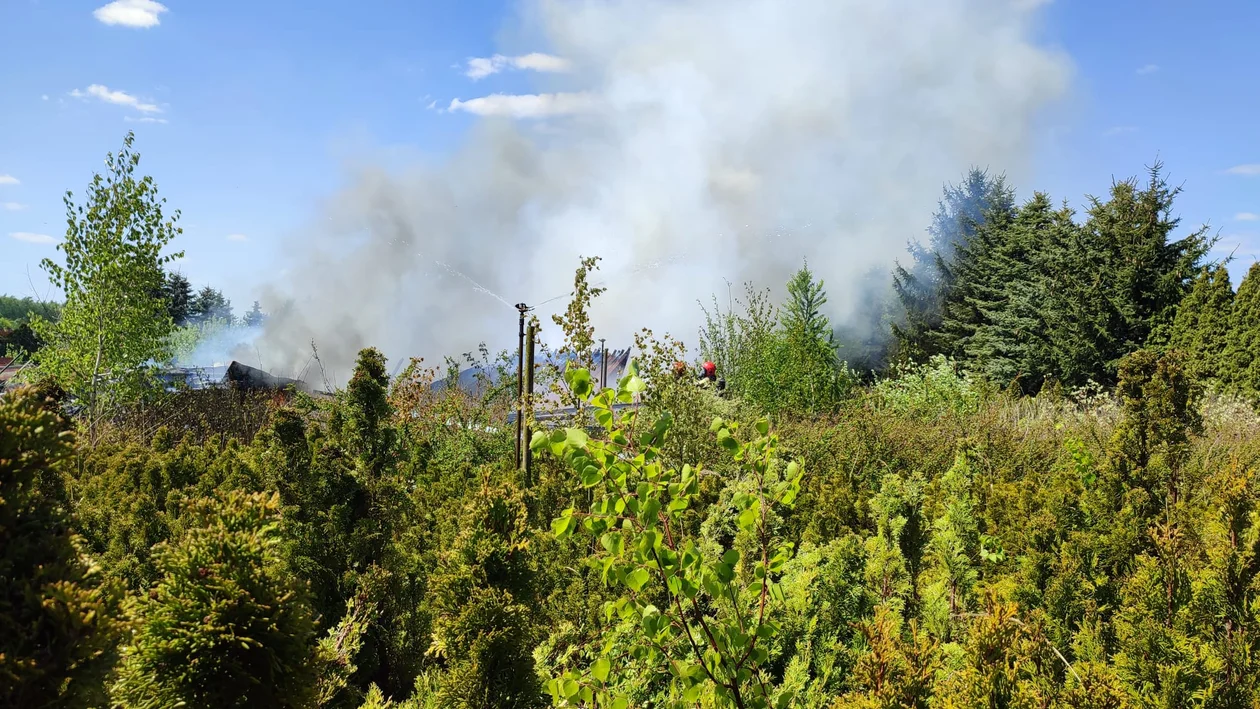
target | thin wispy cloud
[
  {"x": 131, "y": 13},
  {"x": 237, "y": 237},
  {"x": 1247, "y": 217},
  {"x": 525, "y": 105},
  {"x": 481, "y": 67},
  {"x": 118, "y": 98},
  {"x": 144, "y": 119},
  {"x": 9, "y": 180},
  {"x": 1119, "y": 130},
  {"x": 1147, "y": 69},
  {"x": 31, "y": 238},
  {"x": 12, "y": 206},
  {"x": 1247, "y": 170}
]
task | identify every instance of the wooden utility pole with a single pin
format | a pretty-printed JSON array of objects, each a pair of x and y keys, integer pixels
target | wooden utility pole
[
  {"x": 520, "y": 379},
  {"x": 529, "y": 402},
  {"x": 603, "y": 364}
]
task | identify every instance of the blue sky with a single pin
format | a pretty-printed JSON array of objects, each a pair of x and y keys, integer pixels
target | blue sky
[{"x": 245, "y": 111}]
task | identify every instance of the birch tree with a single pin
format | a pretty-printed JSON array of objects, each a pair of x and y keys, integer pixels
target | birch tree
[{"x": 114, "y": 325}]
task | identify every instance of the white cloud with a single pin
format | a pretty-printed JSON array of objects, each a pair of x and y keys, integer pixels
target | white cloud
[
  {"x": 481, "y": 67},
  {"x": 9, "y": 180},
  {"x": 1248, "y": 170},
  {"x": 432, "y": 105},
  {"x": 120, "y": 98},
  {"x": 144, "y": 119},
  {"x": 1246, "y": 217},
  {"x": 32, "y": 238},
  {"x": 237, "y": 237},
  {"x": 131, "y": 13},
  {"x": 525, "y": 105},
  {"x": 1147, "y": 69},
  {"x": 1119, "y": 130},
  {"x": 44, "y": 97},
  {"x": 12, "y": 206}
]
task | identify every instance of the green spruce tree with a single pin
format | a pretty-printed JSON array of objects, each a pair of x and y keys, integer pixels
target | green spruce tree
[
  {"x": 926, "y": 286},
  {"x": 179, "y": 298}
]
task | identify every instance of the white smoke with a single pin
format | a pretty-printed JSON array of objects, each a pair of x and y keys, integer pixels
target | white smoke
[{"x": 701, "y": 141}]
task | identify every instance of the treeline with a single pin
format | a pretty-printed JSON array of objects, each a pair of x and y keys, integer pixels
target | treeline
[
  {"x": 196, "y": 315},
  {"x": 189, "y": 307},
  {"x": 17, "y": 339},
  {"x": 1030, "y": 294}
]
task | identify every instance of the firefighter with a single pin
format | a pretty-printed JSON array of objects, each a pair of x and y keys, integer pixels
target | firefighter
[
  {"x": 709, "y": 372},
  {"x": 709, "y": 378}
]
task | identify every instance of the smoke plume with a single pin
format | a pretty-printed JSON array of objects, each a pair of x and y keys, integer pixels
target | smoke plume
[{"x": 690, "y": 143}]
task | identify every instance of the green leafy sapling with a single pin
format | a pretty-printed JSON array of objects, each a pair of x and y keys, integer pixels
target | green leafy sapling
[{"x": 699, "y": 616}]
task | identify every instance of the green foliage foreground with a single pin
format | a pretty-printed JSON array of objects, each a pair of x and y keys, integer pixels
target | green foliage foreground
[{"x": 933, "y": 543}]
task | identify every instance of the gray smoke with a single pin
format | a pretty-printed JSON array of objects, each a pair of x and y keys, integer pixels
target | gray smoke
[{"x": 693, "y": 142}]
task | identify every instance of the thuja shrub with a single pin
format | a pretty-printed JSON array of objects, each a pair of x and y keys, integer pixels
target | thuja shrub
[
  {"x": 55, "y": 621},
  {"x": 227, "y": 625}
]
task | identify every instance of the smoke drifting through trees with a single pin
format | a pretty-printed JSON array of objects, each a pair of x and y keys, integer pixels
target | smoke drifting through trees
[{"x": 721, "y": 140}]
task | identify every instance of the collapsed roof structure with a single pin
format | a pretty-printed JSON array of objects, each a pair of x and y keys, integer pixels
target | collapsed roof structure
[{"x": 234, "y": 374}]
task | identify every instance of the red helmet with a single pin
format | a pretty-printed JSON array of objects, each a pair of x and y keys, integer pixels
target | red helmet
[{"x": 710, "y": 369}]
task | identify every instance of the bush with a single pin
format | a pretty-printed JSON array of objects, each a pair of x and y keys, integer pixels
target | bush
[
  {"x": 227, "y": 625},
  {"x": 55, "y": 622},
  {"x": 929, "y": 390}
]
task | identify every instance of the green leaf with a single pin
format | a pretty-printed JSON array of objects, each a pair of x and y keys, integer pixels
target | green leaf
[
  {"x": 637, "y": 579},
  {"x": 563, "y": 526},
  {"x": 748, "y": 518},
  {"x": 576, "y": 437},
  {"x": 789, "y": 496},
  {"x": 600, "y": 669},
  {"x": 636, "y": 385},
  {"x": 763, "y": 427},
  {"x": 612, "y": 542},
  {"x": 793, "y": 470},
  {"x": 579, "y": 380},
  {"x": 604, "y": 417},
  {"x": 538, "y": 441},
  {"x": 570, "y": 689},
  {"x": 649, "y": 541},
  {"x": 776, "y": 592},
  {"x": 592, "y": 476},
  {"x": 731, "y": 557},
  {"x": 651, "y": 508}
]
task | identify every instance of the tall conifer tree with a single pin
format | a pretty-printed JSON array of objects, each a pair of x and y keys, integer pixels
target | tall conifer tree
[{"x": 1201, "y": 326}]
